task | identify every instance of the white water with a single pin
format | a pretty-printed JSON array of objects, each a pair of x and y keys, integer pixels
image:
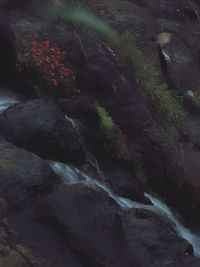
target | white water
[
  {"x": 72, "y": 175},
  {"x": 5, "y": 102},
  {"x": 192, "y": 238}
]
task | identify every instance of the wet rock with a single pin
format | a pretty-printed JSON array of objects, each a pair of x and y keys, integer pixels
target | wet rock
[
  {"x": 101, "y": 234},
  {"x": 45, "y": 130},
  {"x": 152, "y": 239},
  {"x": 182, "y": 67},
  {"x": 125, "y": 184},
  {"x": 23, "y": 175},
  {"x": 92, "y": 228}
]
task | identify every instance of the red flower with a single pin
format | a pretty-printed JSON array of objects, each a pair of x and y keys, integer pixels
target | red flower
[{"x": 48, "y": 58}]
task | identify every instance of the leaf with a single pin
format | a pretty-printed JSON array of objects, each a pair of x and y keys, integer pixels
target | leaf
[{"x": 85, "y": 18}]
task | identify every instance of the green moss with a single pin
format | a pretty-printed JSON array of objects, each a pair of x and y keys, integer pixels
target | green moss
[
  {"x": 113, "y": 141},
  {"x": 106, "y": 122},
  {"x": 167, "y": 138},
  {"x": 164, "y": 103}
]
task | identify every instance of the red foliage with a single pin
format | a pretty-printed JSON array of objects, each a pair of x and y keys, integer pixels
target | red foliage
[{"x": 46, "y": 57}]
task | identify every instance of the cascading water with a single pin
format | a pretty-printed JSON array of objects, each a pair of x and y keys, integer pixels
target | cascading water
[
  {"x": 5, "y": 102},
  {"x": 7, "y": 99},
  {"x": 72, "y": 175},
  {"x": 182, "y": 231}
]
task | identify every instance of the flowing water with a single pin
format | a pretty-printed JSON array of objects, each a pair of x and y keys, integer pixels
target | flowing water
[
  {"x": 5, "y": 102},
  {"x": 72, "y": 175},
  {"x": 191, "y": 237}
]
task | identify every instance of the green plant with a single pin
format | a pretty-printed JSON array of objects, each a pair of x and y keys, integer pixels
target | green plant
[
  {"x": 113, "y": 140},
  {"x": 80, "y": 16},
  {"x": 165, "y": 105},
  {"x": 163, "y": 101},
  {"x": 167, "y": 138}
]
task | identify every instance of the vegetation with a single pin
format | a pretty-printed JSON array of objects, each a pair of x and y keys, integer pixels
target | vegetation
[
  {"x": 113, "y": 140},
  {"x": 80, "y": 16},
  {"x": 163, "y": 101},
  {"x": 45, "y": 60}
]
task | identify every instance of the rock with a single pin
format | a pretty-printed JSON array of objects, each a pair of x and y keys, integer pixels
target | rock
[
  {"x": 23, "y": 175},
  {"x": 181, "y": 66},
  {"x": 45, "y": 130},
  {"x": 81, "y": 107},
  {"x": 93, "y": 226},
  {"x": 101, "y": 234},
  {"x": 12, "y": 254},
  {"x": 152, "y": 239},
  {"x": 7, "y": 50},
  {"x": 125, "y": 184},
  {"x": 42, "y": 240}
]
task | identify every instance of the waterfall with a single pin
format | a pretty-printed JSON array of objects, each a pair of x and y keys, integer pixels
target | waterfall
[
  {"x": 192, "y": 238},
  {"x": 72, "y": 175},
  {"x": 5, "y": 102}
]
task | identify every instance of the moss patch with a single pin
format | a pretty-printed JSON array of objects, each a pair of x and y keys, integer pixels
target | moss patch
[{"x": 165, "y": 104}]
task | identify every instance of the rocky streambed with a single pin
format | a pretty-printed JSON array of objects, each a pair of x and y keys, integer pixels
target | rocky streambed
[
  {"x": 64, "y": 217},
  {"x": 65, "y": 198}
]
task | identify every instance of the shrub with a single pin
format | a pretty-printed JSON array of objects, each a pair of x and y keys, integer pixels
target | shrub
[
  {"x": 46, "y": 60},
  {"x": 114, "y": 141}
]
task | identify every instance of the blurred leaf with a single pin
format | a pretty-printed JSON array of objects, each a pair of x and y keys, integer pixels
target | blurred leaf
[{"x": 84, "y": 18}]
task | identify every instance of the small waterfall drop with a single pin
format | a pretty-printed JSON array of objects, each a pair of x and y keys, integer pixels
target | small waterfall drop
[
  {"x": 72, "y": 175},
  {"x": 7, "y": 98},
  {"x": 192, "y": 238},
  {"x": 5, "y": 102}
]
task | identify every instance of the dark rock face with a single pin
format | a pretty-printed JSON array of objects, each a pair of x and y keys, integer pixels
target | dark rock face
[
  {"x": 92, "y": 218},
  {"x": 99, "y": 233},
  {"x": 154, "y": 228},
  {"x": 126, "y": 185},
  {"x": 43, "y": 241},
  {"x": 7, "y": 49},
  {"x": 23, "y": 175},
  {"x": 45, "y": 130},
  {"x": 82, "y": 107},
  {"x": 82, "y": 225}
]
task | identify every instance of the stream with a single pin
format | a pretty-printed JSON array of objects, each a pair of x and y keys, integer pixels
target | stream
[
  {"x": 7, "y": 99},
  {"x": 72, "y": 175}
]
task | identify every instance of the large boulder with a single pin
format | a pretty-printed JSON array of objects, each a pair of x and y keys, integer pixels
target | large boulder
[
  {"x": 91, "y": 228},
  {"x": 152, "y": 239},
  {"x": 101, "y": 234},
  {"x": 41, "y": 127},
  {"x": 43, "y": 241},
  {"x": 23, "y": 175},
  {"x": 12, "y": 254}
]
